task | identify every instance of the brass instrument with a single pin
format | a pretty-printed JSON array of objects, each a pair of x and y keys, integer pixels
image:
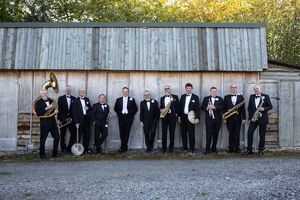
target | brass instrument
[
  {"x": 233, "y": 110},
  {"x": 211, "y": 112},
  {"x": 167, "y": 109},
  {"x": 65, "y": 122},
  {"x": 53, "y": 83},
  {"x": 257, "y": 113}
]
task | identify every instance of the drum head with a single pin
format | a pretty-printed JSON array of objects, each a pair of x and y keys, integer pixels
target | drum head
[{"x": 77, "y": 149}]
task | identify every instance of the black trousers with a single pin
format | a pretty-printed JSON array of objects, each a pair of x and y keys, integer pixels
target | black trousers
[
  {"x": 72, "y": 140},
  {"x": 187, "y": 127},
  {"x": 100, "y": 129},
  {"x": 168, "y": 122},
  {"x": 212, "y": 132},
  {"x": 262, "y": 135},
  {"x": 234, "y": 127},
  {"x": 84, "y": 133},
  {"x": 149, "y": 132},
  {"x": 52, "y": 128},
  {"x": 125, "y": 123}
]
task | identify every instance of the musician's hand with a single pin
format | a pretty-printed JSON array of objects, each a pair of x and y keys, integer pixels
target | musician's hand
[
  {"x": 197, "y": 121},
  {"x": 179, "y": 120},
  {"x": 86, "y": 108},
  {"x": 49, "y": 107},
  {"x": 261, "y": 109},
  {"x": 224, "y": 121},
  {"x": 142, "y": 124},
  {"x": 94, "y": 123},
  {"x": 56, "y": 111},
  {"x": 77, "y": 125},
  {"x": 243, "y": 121}
]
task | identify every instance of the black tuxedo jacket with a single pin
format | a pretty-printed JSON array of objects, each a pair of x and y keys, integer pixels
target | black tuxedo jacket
[
  {"x": 267, "y": 105},
  {"x": 40, "y": 106},
  {"x": 174, "y": 105},
  {"x": 219, "y": 103},
  {"x": 228, "y": 105},
  {"x": 131, "y": 106},
  {"x": 99, "y": 116},
  {"x": 149, "y": 116},
  {"x": 193, "y": 105},
  {"x": 77, "y": 111},
  {"x": 63, "y": 111}
]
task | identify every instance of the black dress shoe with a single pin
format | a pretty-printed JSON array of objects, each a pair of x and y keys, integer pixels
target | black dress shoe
[
  {"x": 42, "y": 157},
  {"x": 206, "y": 152},
  {"x": 163, "y": 150},
  {"x": 249, "y": 153},
  {"x": 260, "y": 152},
  {"x": 171, "y": 150}
]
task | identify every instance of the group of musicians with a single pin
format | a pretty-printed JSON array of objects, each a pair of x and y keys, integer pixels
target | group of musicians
[{"x": 171, "y": 110}]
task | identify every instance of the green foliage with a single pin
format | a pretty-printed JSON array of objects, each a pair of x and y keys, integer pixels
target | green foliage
[{"x": 282, "y": 17}]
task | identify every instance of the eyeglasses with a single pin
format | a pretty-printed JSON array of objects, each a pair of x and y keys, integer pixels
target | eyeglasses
[{"x": 167, "y": 88}]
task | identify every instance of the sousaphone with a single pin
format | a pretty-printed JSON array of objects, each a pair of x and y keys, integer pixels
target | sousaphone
[{"x": 51, "y": 83}]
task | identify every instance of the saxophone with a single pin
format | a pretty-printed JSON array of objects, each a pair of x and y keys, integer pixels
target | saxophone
[
  {"x": 211, "y": 112},
  {"x": 167, "y": 109},
  {"x": 258, "y": 114}
]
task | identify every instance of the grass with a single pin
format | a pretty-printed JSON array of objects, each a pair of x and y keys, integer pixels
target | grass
[{"x": 177, "y": 155}]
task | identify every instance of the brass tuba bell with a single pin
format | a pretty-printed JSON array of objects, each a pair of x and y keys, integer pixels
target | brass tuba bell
[{"x": 51, "y": 83}]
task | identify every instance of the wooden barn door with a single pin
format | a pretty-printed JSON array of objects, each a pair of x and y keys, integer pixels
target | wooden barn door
[{"x": 272, "y": 133}]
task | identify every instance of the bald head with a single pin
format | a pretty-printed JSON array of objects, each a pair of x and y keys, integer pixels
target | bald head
[
  {"x": 257, "y": 89},
  {"x": 81, "y": 92}
]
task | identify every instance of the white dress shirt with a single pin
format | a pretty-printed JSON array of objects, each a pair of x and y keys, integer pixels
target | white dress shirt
[
  {"x": 233, "y": 99},
  {"x": 257, "y": 100},
  {"x": 83, "y": 105},
  {"x": 124, "y": 109},
  {"x": 148, "y": 105},
  {"x": 167, "y": 100},
  {"x": 187, "y": 102},
  {"x": 213, "y": 100},
  {"x": 68, "y": 101}
]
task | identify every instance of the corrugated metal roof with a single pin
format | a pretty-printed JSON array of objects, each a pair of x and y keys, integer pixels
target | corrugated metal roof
[{"x": 139, "y": 48}]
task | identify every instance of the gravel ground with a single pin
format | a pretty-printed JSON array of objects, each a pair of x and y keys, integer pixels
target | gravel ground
[{"x": 230, "y": 178}]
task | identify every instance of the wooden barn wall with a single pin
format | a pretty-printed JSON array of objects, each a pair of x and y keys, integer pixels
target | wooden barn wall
[
  {"x": 20, "y": 88},
  {"x": 140, "y": 48}
]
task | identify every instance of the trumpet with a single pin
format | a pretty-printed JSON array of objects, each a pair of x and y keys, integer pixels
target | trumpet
[{"x": 211, "y": 112}]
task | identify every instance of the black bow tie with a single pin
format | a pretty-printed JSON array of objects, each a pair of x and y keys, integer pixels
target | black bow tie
[
  {"x": 257, "y": 97},
  {"x": 46, "y": 100},
  {"x": 188, "y": 95},
  {"x": 68, "y": 96},
  {"x": 147, "y": 100},
  {"x": 233, "y": 95},
  {"x": 82, "y": 98},
  {"x": 167, "y": 95}
]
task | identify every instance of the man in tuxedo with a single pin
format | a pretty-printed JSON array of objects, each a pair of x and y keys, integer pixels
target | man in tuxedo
[
  {"x": 46, "y": 124},
  {"x": 169, "y": 121},
  {"x": 81, "y": 111},
  {"x": 126, "y": 108},
  {"x": 258, "y": 102},
  {"x": 65, "y": 104},
  {"x": 235, "y": 121},
  {"x": 188, "y": 102},
  {"x": 149, "y": 115},
  {"x": 213, "y": 106},
  {"x": 100, "y": 117}
]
